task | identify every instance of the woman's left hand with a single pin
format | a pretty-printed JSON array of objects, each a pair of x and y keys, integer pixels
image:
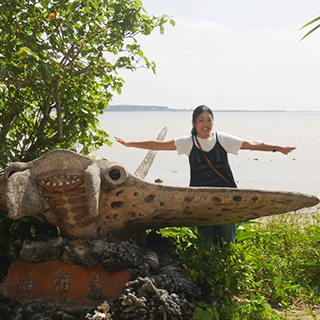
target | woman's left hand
[{"x": 285, "y": 150}]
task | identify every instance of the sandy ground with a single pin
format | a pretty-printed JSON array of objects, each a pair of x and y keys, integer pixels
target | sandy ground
[{"x": 302, "y": 214}]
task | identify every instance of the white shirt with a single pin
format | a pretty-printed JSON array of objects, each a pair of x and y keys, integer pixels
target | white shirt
[{"x": 229, "y": 142}]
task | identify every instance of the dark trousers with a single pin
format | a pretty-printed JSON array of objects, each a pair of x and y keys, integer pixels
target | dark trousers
[{"x": 227, "y": 232}]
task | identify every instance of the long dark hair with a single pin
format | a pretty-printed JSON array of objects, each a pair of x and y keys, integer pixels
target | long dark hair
[{"x": 196, "y": 113}]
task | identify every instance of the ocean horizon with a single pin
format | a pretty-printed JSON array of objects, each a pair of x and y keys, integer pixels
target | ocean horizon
[{"x": 134, "y": 108}]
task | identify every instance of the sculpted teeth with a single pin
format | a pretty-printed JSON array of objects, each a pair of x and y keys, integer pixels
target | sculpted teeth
[{"x": 60, "y": 181}]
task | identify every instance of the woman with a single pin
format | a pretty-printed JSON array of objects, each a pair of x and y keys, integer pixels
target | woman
[{"x": 208, "y": 159}]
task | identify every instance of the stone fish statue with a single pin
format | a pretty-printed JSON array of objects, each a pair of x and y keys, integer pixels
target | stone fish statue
[{"x": 87, "y": 198}]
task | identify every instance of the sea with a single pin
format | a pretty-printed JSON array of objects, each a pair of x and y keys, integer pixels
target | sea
[{"x": 298, "y": 171}]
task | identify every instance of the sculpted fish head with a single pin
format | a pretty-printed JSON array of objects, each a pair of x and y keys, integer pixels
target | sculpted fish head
[
  {"x": 87, "y": 198},
  {"x": 62, "y": 188}
]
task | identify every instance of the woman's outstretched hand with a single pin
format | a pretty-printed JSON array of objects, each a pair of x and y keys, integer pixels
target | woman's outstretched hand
[
  {"x": 123, "y": 142},
  {"x": 285, "y": 150}
]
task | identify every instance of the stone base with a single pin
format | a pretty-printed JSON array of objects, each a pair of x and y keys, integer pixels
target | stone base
[{"x": 63, "y": 283}]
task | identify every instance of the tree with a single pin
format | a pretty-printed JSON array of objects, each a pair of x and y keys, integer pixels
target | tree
[{"x": 55, "y": 75}]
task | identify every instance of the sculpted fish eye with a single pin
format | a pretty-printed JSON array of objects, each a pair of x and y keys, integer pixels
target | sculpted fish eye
[{"x": 115, "y": 174}]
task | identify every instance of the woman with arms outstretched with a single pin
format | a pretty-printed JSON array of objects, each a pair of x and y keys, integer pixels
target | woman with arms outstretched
[{"x": 208, "y": 159}]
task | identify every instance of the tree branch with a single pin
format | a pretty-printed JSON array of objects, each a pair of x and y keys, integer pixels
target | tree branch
[{"x": 58, "y": 107}]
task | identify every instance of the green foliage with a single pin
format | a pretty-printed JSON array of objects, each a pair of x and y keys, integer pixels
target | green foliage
[
  {"x": 254, "y": 309},
  {"x": 227, "y": 270},
  {"x": 11, "y": 230},
  {"x": 312, "y": 30},
  {"x": 288, "y": 268},
  {"x": 58, "y": 70},
  {"x": 271, "y": 264}
]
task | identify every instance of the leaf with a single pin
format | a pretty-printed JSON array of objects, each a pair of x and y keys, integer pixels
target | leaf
[
  {"x": 198, "y": 314},
  {"x": 172, "y": 22},
  {"x": 216, "y": 313},
  {"x": 95, "y": 4},
  {"x": 25, "y": 52},
  {"x": 101, "y": 19},
  {"x": 207, "y": 315},
  {"x": 311, "y": 31},
  {"x": 308, "y": 24},
  {"x": 310, "y": 264},
  {"x": 34, "y": 55},
  {"x": 45, "y": 3}
]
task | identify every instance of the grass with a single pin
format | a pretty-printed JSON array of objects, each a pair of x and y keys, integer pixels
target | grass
[
  {"x": 289, "y": 267},
  {"x": 273, "y": 265}
]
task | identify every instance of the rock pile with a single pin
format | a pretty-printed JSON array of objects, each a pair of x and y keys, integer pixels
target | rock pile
[{"x": 159, "y": 288}]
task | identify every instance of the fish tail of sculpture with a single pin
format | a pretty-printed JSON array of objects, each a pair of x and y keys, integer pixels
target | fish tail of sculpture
[{"x": 146, "y": 163}]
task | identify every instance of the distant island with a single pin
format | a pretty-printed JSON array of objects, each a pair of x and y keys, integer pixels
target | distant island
[
  {"x": 140, "y": 108},
  {"x": 125, "y": 108}
]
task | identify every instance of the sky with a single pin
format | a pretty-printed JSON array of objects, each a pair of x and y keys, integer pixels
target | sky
[{"x": 229, "y": 55}]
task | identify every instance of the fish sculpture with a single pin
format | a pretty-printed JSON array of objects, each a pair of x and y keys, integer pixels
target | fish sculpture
[{"x": 88, "y": 198}]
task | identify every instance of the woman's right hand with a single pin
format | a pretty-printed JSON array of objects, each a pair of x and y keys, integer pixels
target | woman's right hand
[{"x": 123, "y": 142}]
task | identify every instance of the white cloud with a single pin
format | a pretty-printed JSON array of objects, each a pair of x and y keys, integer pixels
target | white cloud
[{"x": 227, "y": 68}]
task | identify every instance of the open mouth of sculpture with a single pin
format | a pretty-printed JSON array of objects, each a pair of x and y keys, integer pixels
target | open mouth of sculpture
[{"x": 61, "y": 180}]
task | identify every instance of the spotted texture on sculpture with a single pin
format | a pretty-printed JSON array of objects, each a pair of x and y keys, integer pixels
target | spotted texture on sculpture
[{"x": 88, "y": 198}]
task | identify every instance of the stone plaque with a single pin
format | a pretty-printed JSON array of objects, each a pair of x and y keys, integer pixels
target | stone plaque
[{"x": 57, "y": 281}]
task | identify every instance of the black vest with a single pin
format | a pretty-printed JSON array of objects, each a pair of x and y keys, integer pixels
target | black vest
[{"x": 202, "y": 175}]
